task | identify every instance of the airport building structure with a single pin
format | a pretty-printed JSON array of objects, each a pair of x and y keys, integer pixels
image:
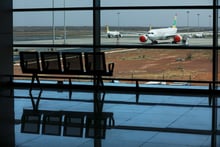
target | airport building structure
[{"x": 134, "y": 124}]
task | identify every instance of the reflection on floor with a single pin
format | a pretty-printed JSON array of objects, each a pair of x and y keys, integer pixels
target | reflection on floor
[{"x": 152, "y": 115}]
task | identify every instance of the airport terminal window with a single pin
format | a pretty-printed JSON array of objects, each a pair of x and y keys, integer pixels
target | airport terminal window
[
  {"x": 21, "y": 4},
  {"x": 163, "y": 64},
  {"x": 123, "y": 30},
  {"x": 74, "y": 27},
  {"x": 154, "y": 3},
  {"x": 70, "y": 25},
  {"x": 52, "y": 28}
]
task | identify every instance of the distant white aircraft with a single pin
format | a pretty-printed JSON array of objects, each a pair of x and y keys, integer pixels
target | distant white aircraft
[
  {"x": 199, "y": 35},
  {"x": 112, "y": 34},
  {"x": 162, "y": 34}
]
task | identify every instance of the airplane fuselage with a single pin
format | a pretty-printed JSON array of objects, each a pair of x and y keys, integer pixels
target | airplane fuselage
[
  {"x": 161, "y": 34},
  {"x": 114, "y": 34}
]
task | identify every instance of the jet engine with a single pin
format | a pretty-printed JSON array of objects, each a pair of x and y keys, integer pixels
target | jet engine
[
  {"x": 143, "y": 38},
  {"x": 177, "y": 38}
]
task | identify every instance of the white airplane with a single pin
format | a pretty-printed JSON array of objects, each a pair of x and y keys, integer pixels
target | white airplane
[
  {"x": 112, "y": 34},
  {"x": 162, "y": 34}
]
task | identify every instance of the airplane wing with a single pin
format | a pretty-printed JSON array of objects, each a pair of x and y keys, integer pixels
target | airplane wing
[{"x": 169, "y": 35}]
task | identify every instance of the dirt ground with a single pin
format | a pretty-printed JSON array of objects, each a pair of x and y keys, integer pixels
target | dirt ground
[
  {"x": 163, "y": 64},
  {"x": 159, "y": 64}
]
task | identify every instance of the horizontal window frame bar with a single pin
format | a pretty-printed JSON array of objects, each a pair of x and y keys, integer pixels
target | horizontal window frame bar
[
  {"x": 178, "y": 91},
  {"x": 115, "y": 8},
  {"x": 169, "y": 129},
  {"x": 113, "y": 46},
  {"x": 107, "y": 78}
]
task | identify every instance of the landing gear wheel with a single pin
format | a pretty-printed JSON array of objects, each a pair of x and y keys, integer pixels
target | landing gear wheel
[{"x": 154, "y": 42}]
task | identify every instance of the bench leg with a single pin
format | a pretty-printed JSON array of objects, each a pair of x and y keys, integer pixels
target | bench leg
[
  {"x": 35, "y": 105},
  {"x": 70, "y": 89}
]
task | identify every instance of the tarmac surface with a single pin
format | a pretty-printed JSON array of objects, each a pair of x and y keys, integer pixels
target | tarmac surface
[{"x": 131, "y": 40}]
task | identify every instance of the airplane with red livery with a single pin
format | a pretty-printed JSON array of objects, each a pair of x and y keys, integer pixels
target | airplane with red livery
[{"x": 162, "y": 34}]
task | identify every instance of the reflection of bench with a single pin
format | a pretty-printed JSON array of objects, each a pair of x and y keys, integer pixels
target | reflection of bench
[
  {"x": 71, "y": 63},
  {"x": 66, "y": 123}
]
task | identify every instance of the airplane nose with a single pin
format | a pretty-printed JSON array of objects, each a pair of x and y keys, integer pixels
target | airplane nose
[{"x": 143, "y": 38}]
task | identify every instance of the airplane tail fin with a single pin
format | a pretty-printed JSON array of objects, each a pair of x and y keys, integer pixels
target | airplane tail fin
[
  {"x": 107, "y": 28},
  {"x": 150, "y": 27},
  {"x": 174, "y": 22}
]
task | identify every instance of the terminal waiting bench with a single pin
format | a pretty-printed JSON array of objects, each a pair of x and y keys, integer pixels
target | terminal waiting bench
[
  {"x": 71, "y": 63},
  {"x": 66, "y": 123},
  {"x": 65, "y": 63}
]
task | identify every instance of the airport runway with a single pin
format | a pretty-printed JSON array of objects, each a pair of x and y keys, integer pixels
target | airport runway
[{"x": 132, "y": 40}]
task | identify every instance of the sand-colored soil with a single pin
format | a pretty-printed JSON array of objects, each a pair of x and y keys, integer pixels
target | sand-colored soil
[{"x": 163, "y": 64}]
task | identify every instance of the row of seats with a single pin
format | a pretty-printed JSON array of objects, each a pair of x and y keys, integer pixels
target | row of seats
[
  {"x": 65, "y": 63},
  {"x": 70, "y": 63},
  {"x": 66, "y": 123}
]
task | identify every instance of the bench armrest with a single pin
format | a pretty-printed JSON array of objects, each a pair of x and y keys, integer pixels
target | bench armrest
[{"x": 111, "y": 67}]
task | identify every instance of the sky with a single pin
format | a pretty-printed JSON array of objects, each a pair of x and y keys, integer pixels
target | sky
[{"x": 113, "y": 17}]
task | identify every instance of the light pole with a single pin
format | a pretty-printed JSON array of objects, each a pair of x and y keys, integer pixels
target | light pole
[
  {"x": 53, "y": 23},
  {"x": 118, "y": 13},
  {"x": 198, "y": 20},
  {"x": 64, "y": 23},
  {"x": 210, "y": 21},
  {"x": 187, "y": 20}
]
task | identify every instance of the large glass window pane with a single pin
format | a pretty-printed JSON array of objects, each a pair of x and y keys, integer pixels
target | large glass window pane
[
  {"x": 154, "y": 3},
  {"x": 164, "y": 64},
  {"x": 126, "y": 27},
  {"x": 32, "y": 3},
  {"x": 53, "y": 27},
  {"x": 51, "y": 3}
]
